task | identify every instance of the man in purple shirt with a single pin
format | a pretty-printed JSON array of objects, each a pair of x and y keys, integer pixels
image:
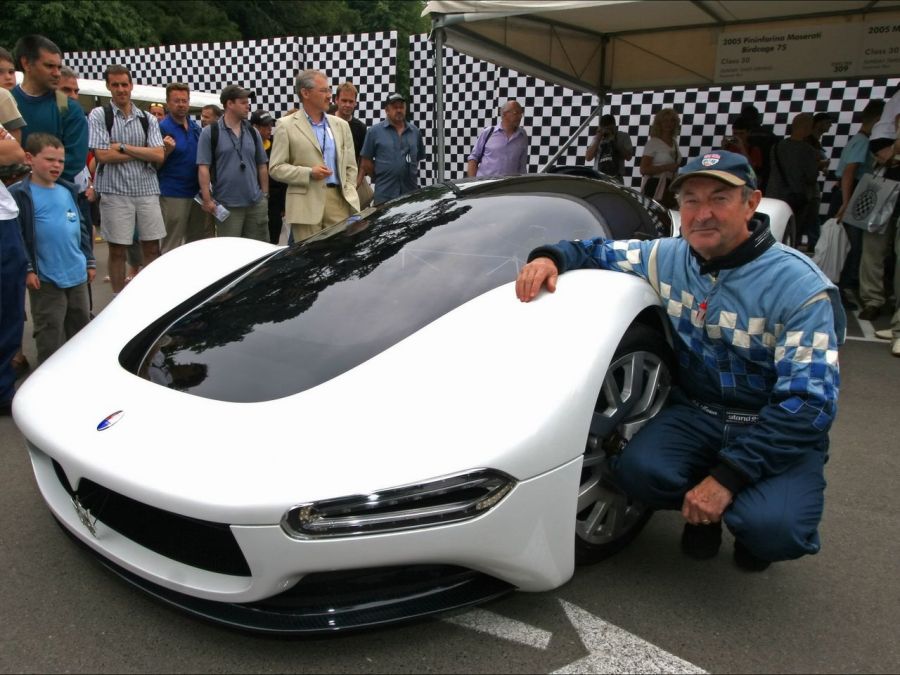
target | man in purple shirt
[{"x": 501, "y": 150}]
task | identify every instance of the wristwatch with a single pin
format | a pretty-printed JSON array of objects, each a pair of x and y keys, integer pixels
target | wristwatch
[{"x": 122, "y": 148}]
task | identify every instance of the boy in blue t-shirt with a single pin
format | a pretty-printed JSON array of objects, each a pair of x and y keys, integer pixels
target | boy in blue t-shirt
[{"x": 58, "y": 243}]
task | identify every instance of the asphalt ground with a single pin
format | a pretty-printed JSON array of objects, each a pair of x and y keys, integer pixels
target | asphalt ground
[{"x": 646, "y": 609}]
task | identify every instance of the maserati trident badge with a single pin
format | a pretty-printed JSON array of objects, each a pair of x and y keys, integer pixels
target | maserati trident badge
[
  {"x": 109, "y": 420},
  {"x": 84, "y": 515}
]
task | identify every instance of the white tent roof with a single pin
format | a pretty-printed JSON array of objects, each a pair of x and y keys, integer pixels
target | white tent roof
[{"x": 600, "y": 45}]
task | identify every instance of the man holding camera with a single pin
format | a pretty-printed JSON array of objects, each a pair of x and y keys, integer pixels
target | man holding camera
[
  {"x": 610, "y": 149},
  {"x": 233, "y": 169}
]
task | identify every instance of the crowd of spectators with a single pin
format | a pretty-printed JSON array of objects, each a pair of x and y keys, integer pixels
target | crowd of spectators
[{"x": 151, "y": 180}]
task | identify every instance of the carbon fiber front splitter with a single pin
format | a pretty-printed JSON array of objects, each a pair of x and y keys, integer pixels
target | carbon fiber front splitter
[{"x": 327, "y": 603}]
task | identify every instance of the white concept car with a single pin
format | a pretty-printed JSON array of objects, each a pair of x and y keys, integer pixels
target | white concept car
[{"x": 366, "y": 427}]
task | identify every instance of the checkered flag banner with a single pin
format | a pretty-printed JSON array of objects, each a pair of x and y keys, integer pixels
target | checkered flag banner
[
  {"x": 474, "y": 90},
  {"x": 268, "y": 67}
]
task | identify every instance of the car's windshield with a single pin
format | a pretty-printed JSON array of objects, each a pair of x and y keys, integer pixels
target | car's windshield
[{"x": 312, "y": 312}]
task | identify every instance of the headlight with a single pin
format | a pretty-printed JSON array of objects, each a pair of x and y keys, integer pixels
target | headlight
[{"x": 436, "y": 502}]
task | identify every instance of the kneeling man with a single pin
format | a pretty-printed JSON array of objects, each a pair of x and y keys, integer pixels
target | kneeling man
[{"x": 756, "y": 328}]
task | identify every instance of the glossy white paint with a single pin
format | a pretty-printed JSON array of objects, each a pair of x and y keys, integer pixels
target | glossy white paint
[{"x": 452, "y": 397}]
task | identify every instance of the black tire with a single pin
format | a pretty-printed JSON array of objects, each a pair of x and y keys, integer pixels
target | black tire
[{"x": 635, "y": 389}]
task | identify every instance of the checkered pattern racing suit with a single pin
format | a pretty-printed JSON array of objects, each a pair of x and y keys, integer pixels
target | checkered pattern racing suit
[{"x": 756, "y": 339}]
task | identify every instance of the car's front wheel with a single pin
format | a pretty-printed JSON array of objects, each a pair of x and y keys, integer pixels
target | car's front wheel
[{"x": 634, "y": 390}]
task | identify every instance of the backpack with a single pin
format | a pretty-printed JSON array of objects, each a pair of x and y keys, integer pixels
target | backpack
[
  {"x": 214, "y": 145},
  {"x": 62, "y": 104},
  {"x": 108, "y": 115}
]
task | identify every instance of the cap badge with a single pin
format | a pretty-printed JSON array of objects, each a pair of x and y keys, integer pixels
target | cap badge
[{"x": 710, "y": 160}]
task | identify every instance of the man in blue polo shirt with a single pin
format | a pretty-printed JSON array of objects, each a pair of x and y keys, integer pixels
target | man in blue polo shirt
[
  {"x": 234, "y": 171},
  {"x": 178, "y": 184},
  {"x": 391, "y": 153}
]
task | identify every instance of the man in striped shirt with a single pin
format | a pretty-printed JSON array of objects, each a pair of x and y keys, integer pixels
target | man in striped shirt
[{"x": 128, "y": 146}]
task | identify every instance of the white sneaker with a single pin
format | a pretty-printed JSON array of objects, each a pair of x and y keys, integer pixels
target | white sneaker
[
  {"x": 884, "y": 334},
  {"x": 895, "y": 347}
]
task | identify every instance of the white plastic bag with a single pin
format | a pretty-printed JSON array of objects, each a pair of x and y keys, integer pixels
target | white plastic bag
[
  {"x": 831, "y": 249},
  {"x": 872, "y": 203}
]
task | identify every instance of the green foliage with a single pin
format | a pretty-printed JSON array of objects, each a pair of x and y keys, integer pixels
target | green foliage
[
  {"x": 76, "y": 26},
  {"x": 403, "y": 16},
  {"x": 179, "y": 22},
  {"x": 271, "y": 18},
  {"x": 79, "y": 25},
  {"x": 97, "y": 25}
]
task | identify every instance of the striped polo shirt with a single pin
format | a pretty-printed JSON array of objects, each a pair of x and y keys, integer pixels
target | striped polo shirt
[{"x": 132, "y": 179}]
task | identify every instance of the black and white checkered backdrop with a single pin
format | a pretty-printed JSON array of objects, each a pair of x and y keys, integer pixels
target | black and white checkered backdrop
[
  {"x": 268, "y": 67},
  {"x": 474, "y": 90}
]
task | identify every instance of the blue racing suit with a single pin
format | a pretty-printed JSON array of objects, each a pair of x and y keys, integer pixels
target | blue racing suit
[{"x": 756, "y": 338}]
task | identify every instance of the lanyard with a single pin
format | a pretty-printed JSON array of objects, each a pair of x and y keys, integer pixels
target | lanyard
[
  {"x": 237, "y": 146},
  {"x": 326, "y": 131}
]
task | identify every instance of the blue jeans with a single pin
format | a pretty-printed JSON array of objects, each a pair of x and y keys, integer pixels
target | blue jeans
[
  {"x": 776, "y": 518},
  {"x": 12, "y": 303}
]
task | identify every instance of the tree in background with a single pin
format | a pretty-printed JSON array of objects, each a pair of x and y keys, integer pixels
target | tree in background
[
  {"x": 176, "y": 22},
  {"x": 403, "y": 16},
  {"x": 76, "y": 26},
  {"x": 101, "y": 25}
]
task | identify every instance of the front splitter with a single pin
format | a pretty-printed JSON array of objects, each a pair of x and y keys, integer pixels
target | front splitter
[{"x": 333, "y": 602}]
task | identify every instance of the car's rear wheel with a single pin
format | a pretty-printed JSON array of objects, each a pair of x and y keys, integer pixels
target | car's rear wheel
[{"x": 634, "y": 390}]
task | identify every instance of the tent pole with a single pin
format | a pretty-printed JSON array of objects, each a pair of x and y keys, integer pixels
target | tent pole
[
  {"x": 439, "y": 101},
  {"x": 572, "y": 138},
  {"x": 601, "y": 94}
]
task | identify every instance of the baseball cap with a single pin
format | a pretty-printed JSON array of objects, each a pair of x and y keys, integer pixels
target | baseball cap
[
  {"x": 233, "y": 92},
  {"x": 818, "y": 117},
  {"x": 394, "y": 97},
  {"x": 261, "y": 118},
  {"x": 729, "y": 167}
]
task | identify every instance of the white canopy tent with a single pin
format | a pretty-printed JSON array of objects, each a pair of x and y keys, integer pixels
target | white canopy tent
[{"x": 598, "y": 46}]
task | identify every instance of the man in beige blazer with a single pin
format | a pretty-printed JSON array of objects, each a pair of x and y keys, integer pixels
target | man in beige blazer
[{"x": 313, "y": 153}]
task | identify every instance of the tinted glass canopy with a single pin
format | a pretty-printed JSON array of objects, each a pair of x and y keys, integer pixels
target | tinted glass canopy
[{"x": 311, "y": 312}]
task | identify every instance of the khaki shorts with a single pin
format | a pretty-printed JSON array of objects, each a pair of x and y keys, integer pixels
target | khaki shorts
[
  {"x": 121, "y": 215},
  {"x": 185, "y": 221}
]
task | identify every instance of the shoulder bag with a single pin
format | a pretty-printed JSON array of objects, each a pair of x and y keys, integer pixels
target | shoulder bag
[{"x": 872, "y": 203}]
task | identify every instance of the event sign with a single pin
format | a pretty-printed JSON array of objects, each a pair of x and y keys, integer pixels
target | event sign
[{"x": 830, "y": 51}]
